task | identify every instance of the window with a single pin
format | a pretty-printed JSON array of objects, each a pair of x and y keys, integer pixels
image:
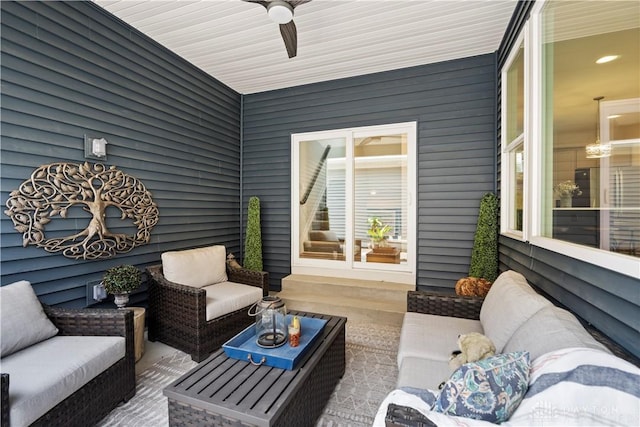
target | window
[
  {"x": 579, "y": 146},
  {"x": 513, "y": 141},
  {"x": 344, "y": 180}
]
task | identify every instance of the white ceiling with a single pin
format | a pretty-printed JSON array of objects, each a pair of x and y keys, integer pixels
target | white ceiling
[{"x": 235, "y": 41}]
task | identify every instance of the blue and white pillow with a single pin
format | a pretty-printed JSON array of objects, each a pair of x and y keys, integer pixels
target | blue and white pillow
[{"x": 490, "y": 389}]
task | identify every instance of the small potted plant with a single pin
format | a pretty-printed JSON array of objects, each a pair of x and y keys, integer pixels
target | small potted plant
[
  {"x": 378, "y": 231},
  {"x": 120, "y": 281}
]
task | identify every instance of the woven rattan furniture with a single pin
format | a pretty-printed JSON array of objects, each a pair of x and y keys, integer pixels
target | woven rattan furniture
[
  {"x": 177, "y": 313},
  {"x": 230, "y": 392},
  {"x": 468, "y": 307},
  {"x": 99, "y": 396}
]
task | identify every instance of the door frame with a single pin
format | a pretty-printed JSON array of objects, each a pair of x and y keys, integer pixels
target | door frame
[{"x": 405, "y": 273}]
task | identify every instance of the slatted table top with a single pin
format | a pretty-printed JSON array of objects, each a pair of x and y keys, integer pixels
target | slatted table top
[{"x": 259, "y": 395}]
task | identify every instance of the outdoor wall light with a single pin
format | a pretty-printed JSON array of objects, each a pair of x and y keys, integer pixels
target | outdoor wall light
[{"x": 95, "y": 148}]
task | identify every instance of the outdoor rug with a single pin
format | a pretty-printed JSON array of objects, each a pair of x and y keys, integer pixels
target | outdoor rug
[{"x": 371, "y": 373}]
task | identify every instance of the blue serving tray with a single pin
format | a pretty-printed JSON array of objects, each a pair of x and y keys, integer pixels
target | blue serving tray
[{"x": 244, "y": 345}]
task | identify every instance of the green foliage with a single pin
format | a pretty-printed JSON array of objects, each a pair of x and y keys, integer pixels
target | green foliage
[
  {"x": 484, "y": 257},
  {"x": 378, "y": 230},
  {"x": 253, "y": 237},
  {"x": 122, "y": 279}
]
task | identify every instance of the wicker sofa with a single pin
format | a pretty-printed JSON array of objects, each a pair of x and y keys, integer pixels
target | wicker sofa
[
  {"x": 79, "y": 366},
  {"x": 183, "y": 291},
  {"x": 571, "y": 374}
]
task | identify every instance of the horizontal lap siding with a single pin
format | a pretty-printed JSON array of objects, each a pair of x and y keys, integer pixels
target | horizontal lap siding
[
  {"x": 454, "y": 105},
  {"x": 606, "y": 299},
  {"x": 69, "y": 69}
]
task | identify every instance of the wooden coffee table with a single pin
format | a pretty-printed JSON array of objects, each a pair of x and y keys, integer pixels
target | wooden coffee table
[{"x": 231, "y": 392}]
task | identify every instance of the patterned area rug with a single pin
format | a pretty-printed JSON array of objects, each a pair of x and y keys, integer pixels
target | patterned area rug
[{"x": 371, "y": 373}]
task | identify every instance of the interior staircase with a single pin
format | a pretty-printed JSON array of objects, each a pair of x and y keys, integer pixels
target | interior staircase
[{"x": 358, "y": 300}]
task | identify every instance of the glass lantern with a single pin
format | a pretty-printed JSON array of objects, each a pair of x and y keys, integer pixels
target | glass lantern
[{"x": 271, "y": 322}]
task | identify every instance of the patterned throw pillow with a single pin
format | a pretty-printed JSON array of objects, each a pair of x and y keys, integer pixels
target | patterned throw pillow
[{"x": 489, "y": 389}]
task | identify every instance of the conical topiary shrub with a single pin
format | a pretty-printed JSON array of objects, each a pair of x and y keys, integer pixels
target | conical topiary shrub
[
  {"x": 253, "y": 237},
  {"x": 484, "y": 257}
]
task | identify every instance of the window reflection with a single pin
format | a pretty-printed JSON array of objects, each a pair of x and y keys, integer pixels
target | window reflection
[{"x": 605, "y": 210}]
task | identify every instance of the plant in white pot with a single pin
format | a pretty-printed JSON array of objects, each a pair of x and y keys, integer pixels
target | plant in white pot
[
  {"x": 120, "y": 281},
  {"x": 379, "y": 232}
]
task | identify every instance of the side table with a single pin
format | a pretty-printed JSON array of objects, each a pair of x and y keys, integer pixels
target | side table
[{"x": 138, "y": 330}]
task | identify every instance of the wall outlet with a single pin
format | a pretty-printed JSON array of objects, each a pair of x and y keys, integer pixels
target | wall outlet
[
  {"x": 99, "y": 293},
  {"x": 95, "y": 292}
]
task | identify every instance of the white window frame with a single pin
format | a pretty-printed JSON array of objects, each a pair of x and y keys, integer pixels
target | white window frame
[
  {"x": 507, "y": 189},
  {"x": 534, "y": 161}
]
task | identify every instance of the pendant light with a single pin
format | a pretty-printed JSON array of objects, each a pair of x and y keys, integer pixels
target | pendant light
[{"x": 598, "y": 150}]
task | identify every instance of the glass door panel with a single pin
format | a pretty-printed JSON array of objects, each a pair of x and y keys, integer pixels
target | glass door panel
[
  {"x": 321, "y": 188},
  {"x": 380, "y": 199},
  {"x": 343, "y": 180}
]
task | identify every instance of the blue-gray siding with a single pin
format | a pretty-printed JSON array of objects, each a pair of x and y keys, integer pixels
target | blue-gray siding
[
  {"x": 70, "y": 68},
  {"x": 608, "y": 300},
  {"x": 454, "y": 105}
]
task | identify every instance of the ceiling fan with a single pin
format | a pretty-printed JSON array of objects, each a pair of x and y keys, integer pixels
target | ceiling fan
[{"x": 281, "y": 12}]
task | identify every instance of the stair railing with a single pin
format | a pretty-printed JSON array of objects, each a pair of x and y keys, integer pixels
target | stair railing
[{"x": 312, "y": 184}]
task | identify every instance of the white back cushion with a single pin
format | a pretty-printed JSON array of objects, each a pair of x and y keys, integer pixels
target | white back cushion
[
  {"x": 551, "y": 328},
  {"x": 196, "y": 267},
  {"x": 22, "y": 319},
  {"x": 511, "y": 301}
]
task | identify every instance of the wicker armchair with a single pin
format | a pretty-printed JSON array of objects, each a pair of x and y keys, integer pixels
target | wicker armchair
[
  {"x": 177, "y": 313},
  {"x": 99, "y": 396}
]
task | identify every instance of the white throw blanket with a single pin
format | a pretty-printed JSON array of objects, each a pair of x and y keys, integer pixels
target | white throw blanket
[{"x": 568, "y": 387}]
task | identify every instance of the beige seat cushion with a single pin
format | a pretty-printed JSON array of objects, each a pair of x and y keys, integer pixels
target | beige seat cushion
[
  {"x": 422, "y": 373},
  {"x": 44, "y": 374},
  {"x": 428, "y": 336},
  {"x": 511, "y": 301},
  {"x": 227, "y": 297},
  {"x": 196, "y": 267}
]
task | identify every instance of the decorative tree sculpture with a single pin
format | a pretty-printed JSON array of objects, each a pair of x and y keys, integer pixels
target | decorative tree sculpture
[
  {"x": 55, "y": 188},
  {"x": 253, "y": 238}
]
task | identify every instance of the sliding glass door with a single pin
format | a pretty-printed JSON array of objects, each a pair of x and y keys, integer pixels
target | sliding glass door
[{"x": 352, "y": 201}]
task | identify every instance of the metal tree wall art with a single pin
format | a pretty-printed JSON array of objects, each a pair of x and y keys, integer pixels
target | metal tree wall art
[{"x": 56, "y": 188}]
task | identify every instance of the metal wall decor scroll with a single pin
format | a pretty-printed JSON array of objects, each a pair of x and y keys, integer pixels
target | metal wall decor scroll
[{"x": 56, "y": 188}]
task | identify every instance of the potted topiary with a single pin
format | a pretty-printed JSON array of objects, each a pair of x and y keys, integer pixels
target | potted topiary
[
  {"x": 483, "y": 269},
  {"x": 120, "y": 281},
  {"x": 253, "y": 238}
]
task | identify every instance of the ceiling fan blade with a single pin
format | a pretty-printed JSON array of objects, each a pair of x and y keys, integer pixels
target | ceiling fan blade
[
  {"x": 262, "y": 2},
  {"x": 290, "y": 37},
  {"x": 296, "y": 3}
]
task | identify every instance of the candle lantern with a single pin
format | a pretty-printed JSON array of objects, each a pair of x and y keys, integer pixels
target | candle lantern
[{"x": 271, "y": 321}]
